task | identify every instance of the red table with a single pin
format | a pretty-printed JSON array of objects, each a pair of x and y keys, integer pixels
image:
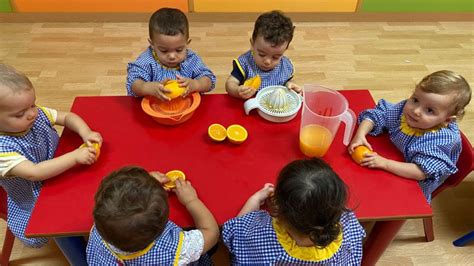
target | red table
[{"x": 224, "y": 174}]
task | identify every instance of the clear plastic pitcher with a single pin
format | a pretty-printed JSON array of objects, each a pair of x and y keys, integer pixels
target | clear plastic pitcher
[{"x": 323, "y": 111}]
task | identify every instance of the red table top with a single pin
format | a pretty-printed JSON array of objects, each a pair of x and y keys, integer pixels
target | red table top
[{"x": 224, "y": 174}]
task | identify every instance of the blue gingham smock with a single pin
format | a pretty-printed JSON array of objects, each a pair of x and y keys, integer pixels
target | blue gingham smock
[
  {"x": 245, "y": 68},
  {"x": 435, "y": 152},
  {"x": 165, "y": 250},
  {"x": 37, "y": 145},
  {"x": 148, "y": 69},
  {"x": 251, "y": 239}
]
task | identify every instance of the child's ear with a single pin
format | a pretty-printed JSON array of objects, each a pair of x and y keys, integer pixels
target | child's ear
[
  {"x": 149, "y": 41},
  {"x": 450, "y": 119},
  {"x": 188, "y": 42},
  {"x": 251, "y": 41}
]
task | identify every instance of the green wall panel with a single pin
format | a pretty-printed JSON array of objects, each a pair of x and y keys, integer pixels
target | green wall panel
[
  {"x": 5, "y": 6},
  {"x": 417, "y": 6}
]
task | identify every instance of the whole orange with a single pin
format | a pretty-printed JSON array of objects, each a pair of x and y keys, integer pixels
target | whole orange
[{"x": 359, "y": 153}]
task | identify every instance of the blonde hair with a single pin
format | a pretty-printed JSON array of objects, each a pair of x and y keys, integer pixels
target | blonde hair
[
  {"x": 12, "y": 79},
  {"x": 448, "y": 82}
]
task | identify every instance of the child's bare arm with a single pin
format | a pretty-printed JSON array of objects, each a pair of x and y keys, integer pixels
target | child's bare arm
[
  {"x": 78, "y": 125},
  {"x": 257, "y": 199},
  {"x": 53, "y": 167},
  {"x": 403, "y": 169},
  {"x": 359, "y": 138},
  {"x": 238, "y": 91},
  {"x": 202, "y": 217}
]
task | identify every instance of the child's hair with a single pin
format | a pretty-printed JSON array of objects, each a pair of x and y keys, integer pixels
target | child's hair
[
  {"x": 168, "y": 21},
  {"x": 12, "y": 79},
  {"x": 310, "y": 197},
  {"x": 448, "y": 82},
  {"x": 131, "y": 209},
  {"x": 274, "y": 27}
]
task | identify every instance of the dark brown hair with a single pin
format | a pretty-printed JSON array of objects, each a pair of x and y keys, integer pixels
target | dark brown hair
[
  {"x": 168, "y": 21},
  {"x": 310, "y": 197},
  {"x": 274, "y": 27},
  {"x": 131, "y": 209}
]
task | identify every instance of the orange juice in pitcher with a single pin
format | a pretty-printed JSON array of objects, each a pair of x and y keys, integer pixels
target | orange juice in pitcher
[{"x": 315, "y": 140}]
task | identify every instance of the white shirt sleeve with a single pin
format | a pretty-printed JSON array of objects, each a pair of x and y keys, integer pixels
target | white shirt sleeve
[
  {"x": 193, "y": 244},
  {"x": 8, "y": 161}
]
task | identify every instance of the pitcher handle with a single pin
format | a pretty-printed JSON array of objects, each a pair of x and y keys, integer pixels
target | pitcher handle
[{"x": 349, "y": 119}]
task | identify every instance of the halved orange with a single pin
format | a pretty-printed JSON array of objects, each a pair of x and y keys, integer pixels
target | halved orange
[
  {"x": 96, "y": 147},
  {"x": 173, "y": 175},
  {"x": 254, "y": 82},
  {"x": 359, "y": 153},
  {"x": 175, "y": 89},
  {"x": 217, "y": 132},
  {"x": 236, "y": 134}
]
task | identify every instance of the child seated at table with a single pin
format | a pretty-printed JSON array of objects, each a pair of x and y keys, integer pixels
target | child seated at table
[
  {"x": 132, "y": 227},
  {"x": 168, "y": 58},
  {"x": 28, "y": 142},
  {"x": 308, "y": 221},
  {"x": 422, "y": 127},
  {"x": 272, "y": 34}
]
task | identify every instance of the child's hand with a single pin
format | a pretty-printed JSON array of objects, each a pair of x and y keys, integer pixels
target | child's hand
[
  {"x": 185, "y": 191},
  {"x": 157, "y": 89},
  {"x": 294, "y": 86},
  {"x": 162, "y": 178},
  {"x": 92, "y": 137},
  {"x": 373, "y": 160},
  {"x": 261, "y": 195},
  {"x": 358, "y": 141},
  {"x": 191, "y": 85},
  {"x": 85, "y": 155},
  {"x": 246, "y": 92}
]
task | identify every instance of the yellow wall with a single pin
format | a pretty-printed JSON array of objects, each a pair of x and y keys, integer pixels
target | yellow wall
[
  {"x": 266, "y": 5},
  {"x": 95, "y": 5}
]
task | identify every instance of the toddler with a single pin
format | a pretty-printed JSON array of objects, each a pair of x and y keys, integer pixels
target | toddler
[
  {"x": 422, "y": 127},
  {"x": 168, "y": 58},
  {"x": 271, "y": 37},
  {"x": 28, "y": 142},
  {"x": 308, "y": 222},
  {"x": 132, "y": 226}
]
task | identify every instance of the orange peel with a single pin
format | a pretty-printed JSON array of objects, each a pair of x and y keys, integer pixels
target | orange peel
[
  {"x": 359, "y": 153},
  {"x": 174, "y": 88}
]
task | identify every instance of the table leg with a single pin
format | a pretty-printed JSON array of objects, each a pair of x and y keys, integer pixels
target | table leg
[
  {"x": 379, "y": 239},
  {"x": 74, "y": 249}
]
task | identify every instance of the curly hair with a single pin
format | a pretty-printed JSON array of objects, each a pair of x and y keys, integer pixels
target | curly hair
[
  {"x": 168, "y": 21},
  {"x": 13, "y": 79},
  {"x": 274, "y": 27},
  {"x": 448, "y": 82},
  {"x": 131, "y": 209},
  {"x": 311, "y": 198}
]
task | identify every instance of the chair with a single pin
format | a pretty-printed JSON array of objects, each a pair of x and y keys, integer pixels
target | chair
[
  {"x": 9, "y": 237},
  {"x": 465, "y": 166}
]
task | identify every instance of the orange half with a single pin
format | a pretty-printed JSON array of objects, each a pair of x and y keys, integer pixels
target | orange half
[
  {"x": 359, "y": 153},
  {"x": 217, "y": 132},
  {"x": 254, "y": 82},
  {"x": 237, "y": 134},
  {"x": 96, "y": 147},
  {"x": 173, "y": 175},
  {"x": 175, "y": 89}
]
